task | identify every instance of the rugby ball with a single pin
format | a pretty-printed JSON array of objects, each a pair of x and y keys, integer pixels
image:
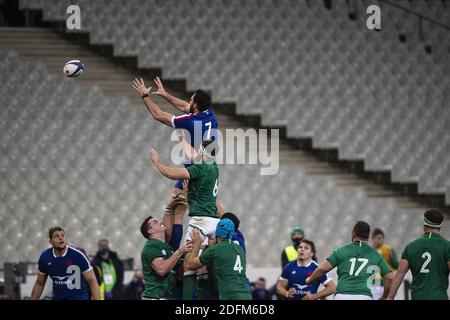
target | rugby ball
[{"x": 73, "y": 68}]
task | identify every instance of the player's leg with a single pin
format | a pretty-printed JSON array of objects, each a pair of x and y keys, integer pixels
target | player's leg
[
  {"x": 190, "y": 276},
  {"x": 168, "y": 223},
  {"x": 176, "y": 206},
  {"x": 203, "y": 280}
]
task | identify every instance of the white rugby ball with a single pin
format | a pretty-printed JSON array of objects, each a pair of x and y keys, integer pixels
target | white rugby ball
[{"x": 73, "y": 68}]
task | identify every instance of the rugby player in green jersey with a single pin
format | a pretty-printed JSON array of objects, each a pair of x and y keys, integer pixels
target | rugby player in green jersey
[
  {"x": 203, "y": 179},
  {"x": 357, "y": 265},
  {"x": 158, "y": 260},
  {"x": 428, "y": 258},
  {"x": 227, "y": 259}
]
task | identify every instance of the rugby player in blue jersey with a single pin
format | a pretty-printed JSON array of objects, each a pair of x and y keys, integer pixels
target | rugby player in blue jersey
[
  {"x": 68, "y": 268},
  {"x": 291, "y": 284}
]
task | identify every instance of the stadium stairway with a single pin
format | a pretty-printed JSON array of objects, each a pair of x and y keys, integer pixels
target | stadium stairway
[{"x": 114, "y": 76}]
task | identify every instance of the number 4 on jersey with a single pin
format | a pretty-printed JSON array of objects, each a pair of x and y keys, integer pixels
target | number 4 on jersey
[{"x": 237, "y": 265}]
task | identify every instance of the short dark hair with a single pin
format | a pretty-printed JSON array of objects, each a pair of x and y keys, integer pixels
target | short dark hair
[
  {"x": 202, "y": 99},
  {"x": 362, "y": 230},
  {"x": 376, "y": 232},
  {"x": 210, "y": 147},
  {"x": 309, "y": 243},
  {"x": 261, "y": 279},
  {"x": 52, "y": 230},
  {"x": 103, "y": 240},
  {"x": 145, "y": 227},
  {"x": 232, "y": 217},
  {"x": 434, "y": 216}
]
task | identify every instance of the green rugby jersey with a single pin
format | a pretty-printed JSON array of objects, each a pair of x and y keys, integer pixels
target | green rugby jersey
[
  {"x": 428, "y": 259},
  {"x": 357, "y": 265},
  {"x": 229, "y": 265},
  {"x": 203, "y": 188},
  {"x": 156, "y": 286}
]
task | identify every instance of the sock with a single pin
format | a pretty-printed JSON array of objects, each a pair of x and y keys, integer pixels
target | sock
[
  {"x": 188, "y": 286},
  {"x": 177, "y": 234}
]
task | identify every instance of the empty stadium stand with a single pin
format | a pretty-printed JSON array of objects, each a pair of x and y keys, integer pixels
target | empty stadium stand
[{"x": 80, "y": 146}]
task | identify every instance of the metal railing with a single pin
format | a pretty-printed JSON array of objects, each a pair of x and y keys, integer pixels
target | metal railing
[{"x": 420, "y": 16}]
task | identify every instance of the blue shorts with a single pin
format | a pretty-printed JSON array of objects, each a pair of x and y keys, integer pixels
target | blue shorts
[{"x": 179, "y": 183}]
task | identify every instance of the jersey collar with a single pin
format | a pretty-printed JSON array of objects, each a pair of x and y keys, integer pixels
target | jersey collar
[
  {"x": 64, "y": 254},
  {"x": 298, "y": 264}
]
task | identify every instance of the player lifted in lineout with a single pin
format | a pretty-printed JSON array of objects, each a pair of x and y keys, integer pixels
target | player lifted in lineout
[
  {"x": 199, "y": 123},
  {"x": 202, "y": 189}
]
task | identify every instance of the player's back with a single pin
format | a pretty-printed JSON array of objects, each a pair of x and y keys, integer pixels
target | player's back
[
  {"x": 203, "y": 188},
  {"x": 428, "y": 258},
  {"x": 229, "y": 263},
  {"x": 357, "y": 264}
]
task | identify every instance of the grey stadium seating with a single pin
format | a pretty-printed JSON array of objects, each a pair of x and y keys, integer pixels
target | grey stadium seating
[
  {"x": 302, "y": 65},
  {"x": 73, "y": 156}
]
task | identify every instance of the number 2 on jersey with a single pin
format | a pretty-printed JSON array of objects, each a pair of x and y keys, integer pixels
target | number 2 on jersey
[{"x": 427, "y": 256}]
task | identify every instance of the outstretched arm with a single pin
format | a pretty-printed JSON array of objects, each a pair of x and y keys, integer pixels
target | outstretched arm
[
  {"x": 176, "y": 102},
  {"x": 193, "y": 260},
  {"x": 169, "y": 172},
  {"x": 153, "y": 108},
  {"x": 162, "y": 267},
  {"x": 403, "y": 268},
  {"x": 321, "y": 270},
  {"x": 188, "y": 150}
]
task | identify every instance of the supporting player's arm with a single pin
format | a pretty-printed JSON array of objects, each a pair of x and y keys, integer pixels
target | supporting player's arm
[
  {"x": 193, "y": 260},
  {"x": 169, "y": 172},
  {"x": 39, "y": 286},
  {"x": 188, "y": 150},
  {"x": 91, "y": 280},
  {"x": 152, "y": 107},
  {"x": 176, "y": 102},
  {"x": 162, "y": 267},
  {"x": 403, "y": 268},
  {"x": 282, "y": 289},
  {"x": 321, "y": 270}
]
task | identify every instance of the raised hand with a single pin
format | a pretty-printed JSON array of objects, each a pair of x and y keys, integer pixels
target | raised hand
[
  {"x": 140, "y": 87},
  {"x": 160, "y": 91},
  {"x": 186, "y": 248},
  {"x": 154, "y": 155},
  {"x": 196, "y": 237},
  {"x": 180, "y": 134},
  {"x": 185, "y": 184}
]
